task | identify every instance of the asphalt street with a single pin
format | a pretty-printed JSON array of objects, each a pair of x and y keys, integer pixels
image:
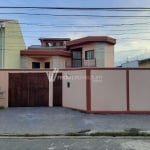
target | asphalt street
[{"x": 101, "y": 143}]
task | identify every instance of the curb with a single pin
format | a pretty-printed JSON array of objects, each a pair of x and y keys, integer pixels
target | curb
[{"x": 76, "y": 137}]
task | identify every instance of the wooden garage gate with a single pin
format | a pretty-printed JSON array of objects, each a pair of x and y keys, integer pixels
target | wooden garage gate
[{"x": 28, "y": 90}]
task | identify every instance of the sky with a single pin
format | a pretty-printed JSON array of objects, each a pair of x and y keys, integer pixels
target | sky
[{"x": 132, "y": 33}]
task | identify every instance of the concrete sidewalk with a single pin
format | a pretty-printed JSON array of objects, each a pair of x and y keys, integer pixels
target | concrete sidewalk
[{"x": 60, "y": 121}]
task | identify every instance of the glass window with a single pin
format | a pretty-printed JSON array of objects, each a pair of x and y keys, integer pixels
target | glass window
[
  {"x": 77, "y": 55},
  {"x": 35, "y": 65},
  {"x": 61, "y": 43},
  {"x": 89, "y": 54},
  {"x": 47, "y": 64},
  {"x": 54, "y": 43}
]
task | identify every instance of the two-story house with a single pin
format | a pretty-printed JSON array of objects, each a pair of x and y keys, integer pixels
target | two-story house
[{"x": 91, "y": 51}]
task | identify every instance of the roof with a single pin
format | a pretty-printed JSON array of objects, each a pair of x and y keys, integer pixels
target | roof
[
  {"x": 45, "y": 53},
  {"x": 88, "y": 39},
  {"x": 144, "y": 60},
  {"x": 56, "y": 39}
]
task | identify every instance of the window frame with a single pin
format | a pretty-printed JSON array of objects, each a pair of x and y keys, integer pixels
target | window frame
[
  {"x": 45, "y": 63},
  {"x": 33, "y": 63},
  {"x": 89, "y": 55}
]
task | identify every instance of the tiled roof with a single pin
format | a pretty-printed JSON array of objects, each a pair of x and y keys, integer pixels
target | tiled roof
[
  {"x": 88, "y": 39},
  {"x": 45, "y": 53},
  {"x": 57, "y": 39}
]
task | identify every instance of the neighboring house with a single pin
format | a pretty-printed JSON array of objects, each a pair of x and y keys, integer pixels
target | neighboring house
[
  {"x": 11, "y": 41},
  {"x": 145, "y": 63},
  {"x": 130, "y": 64},
  {"x": 91, "y": 51}
]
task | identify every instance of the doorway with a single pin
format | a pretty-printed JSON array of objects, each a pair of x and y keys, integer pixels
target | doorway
[{"x": 57, "y": 90}]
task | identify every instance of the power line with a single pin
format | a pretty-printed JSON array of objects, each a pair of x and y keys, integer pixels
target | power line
[
  {"x": 77, "y": 8},
  {"x": 88, "y": 26},
  {"x": 12, "y": 31},
  {"x": 84, "y": 15}
]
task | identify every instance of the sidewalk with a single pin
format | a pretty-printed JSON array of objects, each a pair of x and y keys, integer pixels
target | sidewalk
[{"x": 61, "y": 121}]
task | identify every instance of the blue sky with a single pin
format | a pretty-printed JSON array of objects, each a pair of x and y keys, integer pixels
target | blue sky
[{"x": 131, "y": 39}]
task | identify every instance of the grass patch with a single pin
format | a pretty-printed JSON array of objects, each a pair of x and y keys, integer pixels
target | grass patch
[
  {"x": 30, "y": 135},
  {"x": 2, "y": 107},
  {"x": 127, "y": 132}
]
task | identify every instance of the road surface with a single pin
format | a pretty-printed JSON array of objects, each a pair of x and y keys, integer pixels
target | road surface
[{"x": 74, "y": 143}]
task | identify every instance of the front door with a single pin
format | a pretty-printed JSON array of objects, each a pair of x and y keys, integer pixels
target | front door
[{"x": 57, "y": 90}]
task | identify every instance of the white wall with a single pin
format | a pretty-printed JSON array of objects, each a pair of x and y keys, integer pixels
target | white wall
[
  {"x": 139, "y": 90},
  {"x": 109, "y": 55},
  {"x": 100, "y": 54},
  {"x": 75, "y": 96},
  {"x": 4, "y": 88},
  {"x": 108, "y": 90}
]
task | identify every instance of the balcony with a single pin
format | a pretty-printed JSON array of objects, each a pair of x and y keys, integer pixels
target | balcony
[{"x": 81, "y": 63}]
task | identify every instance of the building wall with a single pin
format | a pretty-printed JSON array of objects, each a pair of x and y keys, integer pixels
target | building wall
[
  {"x": 109, "y": 55},
  {"x": 25, "y": 62},
  {"x": 108, "y": 90},
  {"x": 139, "y": 90},
  {"x": 55, "y": 61},
  {"x": 4, "y": 85},
  {"x": 75, "y": 96},
  {"x": 104, "y": 53},
  {"x": 2, "y": 31},
  {"x": 4, "y": 88},
  {"x": 87, "y": 47},
  {"x": 59, "y": 62},
  {"x": 14, "y": 42},
  {"x": 40, "y": 60},
  {"x": 100, "y": 54}
]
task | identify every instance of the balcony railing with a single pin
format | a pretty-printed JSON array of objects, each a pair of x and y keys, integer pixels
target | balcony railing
[
  {"x": 46, "y": 47},
  {"x": 81, "y": 63}
]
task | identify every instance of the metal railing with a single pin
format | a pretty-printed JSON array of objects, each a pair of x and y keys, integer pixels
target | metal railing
[{"x": 80, "y": 63}]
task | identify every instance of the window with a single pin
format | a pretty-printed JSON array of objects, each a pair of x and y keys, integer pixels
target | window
[
  {"x": 48, "y": 44},
  {"x": 61, "y": 43},
  {"x": 77, "y": 55},
  {"x": 68, "y": 84},
  {"x": 47, "y": 64},
  {"x": 35, "y": 65},
  {"x": 76, "y": 58},
  {"x": 54, "y": 43},
  {"x": 89, "y": 54}
]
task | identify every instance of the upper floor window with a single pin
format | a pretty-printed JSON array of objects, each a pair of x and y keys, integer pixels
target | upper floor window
[
  {"x": 61, "y": 43},
  {"x": 48, "y": 44},
  {"x": 77, "y": 55},
  {"x": 89, "y": 54},
  {"x": 47, "y": 64},
  {"x": 35, "y": 65},
  {"x": 54, "y": 43}
]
